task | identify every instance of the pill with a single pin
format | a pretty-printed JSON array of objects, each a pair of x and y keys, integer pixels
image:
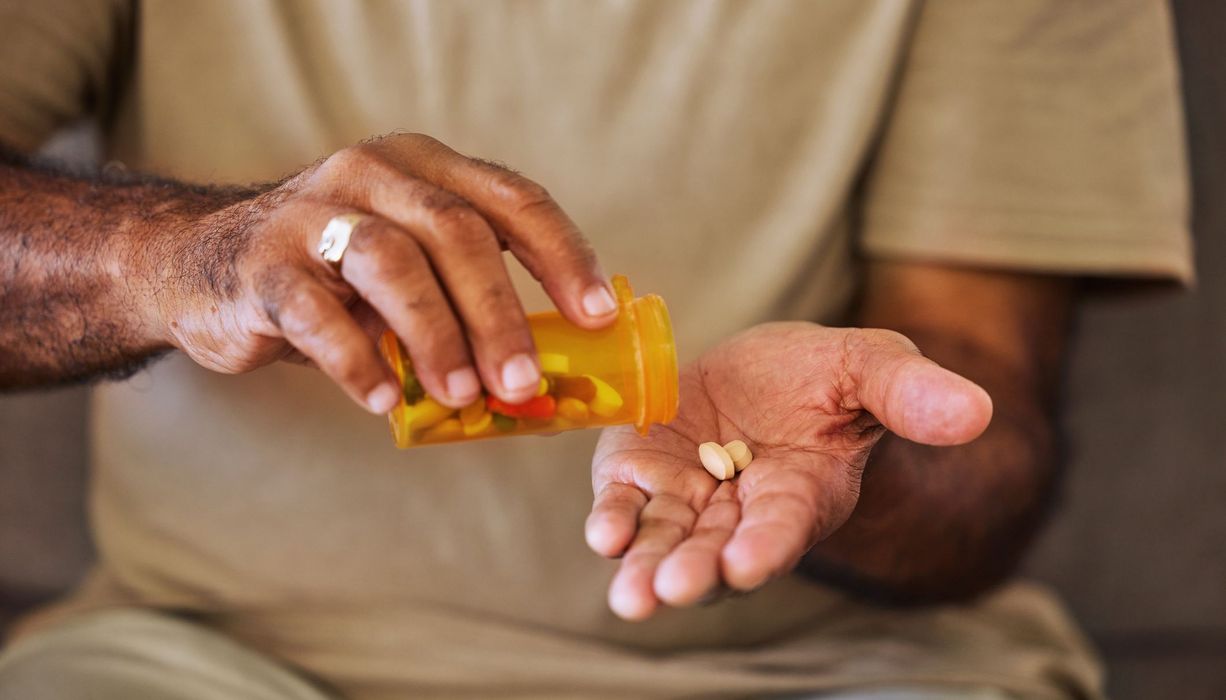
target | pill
[
  {"x": 581, "y": 388},
  {"x": 448, "y": 429},
  {"x": 572, "y": 409},
  {"x": 478, "y": 425},
  {"x": 740, "y": 454},
  {"x": 473, "y": 411},
  {"x": 543, "y": 387},
  {"x": 425, "y": 414},
  {"x": 606, "y": 402},
  {"x": 536, "y": 407},
  {"x": 715, "y": 459},
  {"x": 504, "y": 423},
  {"x": 554, "y": 363}
]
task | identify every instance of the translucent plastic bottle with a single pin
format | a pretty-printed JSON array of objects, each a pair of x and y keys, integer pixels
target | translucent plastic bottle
[{"x": 626, "y": 373}]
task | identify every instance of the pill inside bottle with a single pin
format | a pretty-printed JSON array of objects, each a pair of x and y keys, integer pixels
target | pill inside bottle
[{"x": 623, "y": 374}]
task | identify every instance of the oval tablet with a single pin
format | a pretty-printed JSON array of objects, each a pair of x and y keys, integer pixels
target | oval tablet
[
  {"x": 715, "y": 460},
  {"x": 740, "y": 454}
]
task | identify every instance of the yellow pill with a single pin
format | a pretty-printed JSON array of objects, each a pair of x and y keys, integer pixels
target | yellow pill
[
  {"x": 606, "y": 402},
  {"x": 553, "y": 363},
  {"x": 449, "y": 429},
  {"x": 572, "y": 409},
  {"x": 715, "y": 460},
  {"x": 543, "y": 387},
  {"x": 473, "y": 411},
  {"x": 740, "y": 454},
  {"x": 426, "y": 413},
  {"x": 478, "y": 426}
]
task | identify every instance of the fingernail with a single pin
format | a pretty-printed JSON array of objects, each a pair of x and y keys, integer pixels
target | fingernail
[
  {"x": 598, "y": 301},
  {"x": 462, "y": 383},
  {"x": 519, "y": 373},
  {"x": 384, "y": 398}
]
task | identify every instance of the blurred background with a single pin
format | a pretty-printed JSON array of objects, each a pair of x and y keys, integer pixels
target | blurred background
[{"x": 1137, "y": 546}]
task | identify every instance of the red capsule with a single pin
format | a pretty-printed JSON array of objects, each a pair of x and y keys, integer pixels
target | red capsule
[{"x": 536, "y": 407}]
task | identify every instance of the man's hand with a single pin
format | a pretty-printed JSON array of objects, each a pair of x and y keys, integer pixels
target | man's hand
[
  {"x": 810, "y": 402},
  {"x": 947, "y": 524},
  {"x": 100, "y": 274},
  {"x": 426, "y": 260}
]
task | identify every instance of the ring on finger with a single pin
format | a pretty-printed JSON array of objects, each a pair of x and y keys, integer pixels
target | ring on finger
[{"x": 334, "y": 240}]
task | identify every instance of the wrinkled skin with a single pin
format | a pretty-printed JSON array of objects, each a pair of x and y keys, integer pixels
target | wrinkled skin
[
  {"x": 426, "y": 259},
  {"x": 810, "y": 402}
]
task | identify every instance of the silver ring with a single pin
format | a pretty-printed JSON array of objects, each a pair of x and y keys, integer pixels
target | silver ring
[{"x": 335, "y": 238}]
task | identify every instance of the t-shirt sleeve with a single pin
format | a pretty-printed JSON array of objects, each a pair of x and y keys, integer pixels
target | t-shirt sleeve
[
  {"x": 1042, "y": 135},
  {"x": 59, "y": 61}
]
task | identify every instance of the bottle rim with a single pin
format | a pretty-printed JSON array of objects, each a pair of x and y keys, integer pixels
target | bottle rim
[{"x": 655, "y": 354}]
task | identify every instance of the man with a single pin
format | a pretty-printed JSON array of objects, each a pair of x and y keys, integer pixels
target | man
[{"x": 259, "y": 538}]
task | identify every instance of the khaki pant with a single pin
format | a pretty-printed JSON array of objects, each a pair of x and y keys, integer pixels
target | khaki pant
[{"x": 138, "y": 654}]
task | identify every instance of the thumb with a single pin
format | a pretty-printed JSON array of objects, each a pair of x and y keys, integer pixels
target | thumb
[{"x": 911, "y": 395}]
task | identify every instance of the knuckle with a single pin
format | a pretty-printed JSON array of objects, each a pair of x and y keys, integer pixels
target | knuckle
[
  {"x": 584, "y": 254},
  {"x": 518, "y": 192},
  {"x": 433, "y": 307},
  {"x": 445, "y": 350},
  {"x": 302, "y": 312},
  {"x": 388, "y": 259},
  {"x": 351, "y": 159},
  {"x": 495, "y": 314},
  {"x": 443, "y": 206},
  {"x": 565, "y": 252},
  {"x": 492, "y": 301},
  {"x": 392, "y": 269},
  {"x": 359, "y": 168},
  {"x": 369, "y": 239},
  {"x": 882, "y": 337},
  {"x": 418, "y": 138},
  {"x": 270, "y": 286},
  {"x": 448, "y": 215},
  {"x": 401, "y": 139}
]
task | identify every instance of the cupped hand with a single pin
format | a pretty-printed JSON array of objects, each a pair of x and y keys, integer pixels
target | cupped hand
[
  {"x": 240, "y": 282},
  {"x": 810, "y": 402}
]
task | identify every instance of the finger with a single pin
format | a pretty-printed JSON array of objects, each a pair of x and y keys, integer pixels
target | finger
[
  {"x": 614, "y": 518},
  {"x": 536, "y": 229},
  {"x": 663, "y": 523},
  {"x": 466, "y": 257},
  {"x": 369, "y": 320},
  {"x": 911, "y": 395},
  {"x": 387, "y": 267},
  {"x": 317, "y": 324},
  {"x": 779, "y": 523},
  {"x": 691, "y": 571}
]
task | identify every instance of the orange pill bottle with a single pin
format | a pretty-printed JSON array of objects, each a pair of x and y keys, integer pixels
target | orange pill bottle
[{"x": 623, "y": 374}]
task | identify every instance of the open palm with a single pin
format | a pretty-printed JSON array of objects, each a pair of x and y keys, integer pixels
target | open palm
[{"x": 810, "y": 402}]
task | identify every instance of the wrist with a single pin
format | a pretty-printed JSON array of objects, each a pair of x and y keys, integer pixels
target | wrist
[
  {"x": 132, "y": 263},
  {"x": 173, "y": 249},
  {"x": 156, "y": 254}
]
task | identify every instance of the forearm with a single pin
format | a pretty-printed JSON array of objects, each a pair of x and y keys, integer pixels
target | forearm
[
  {"x": 81, "y": 262},
  {"x": 940, "y": 523}
]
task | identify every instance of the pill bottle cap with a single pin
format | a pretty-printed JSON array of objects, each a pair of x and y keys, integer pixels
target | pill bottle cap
[{"x": 655, "y": 353}]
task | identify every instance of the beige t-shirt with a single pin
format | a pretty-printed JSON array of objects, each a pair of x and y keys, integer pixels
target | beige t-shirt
[{"x": 731, "y": 157}]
